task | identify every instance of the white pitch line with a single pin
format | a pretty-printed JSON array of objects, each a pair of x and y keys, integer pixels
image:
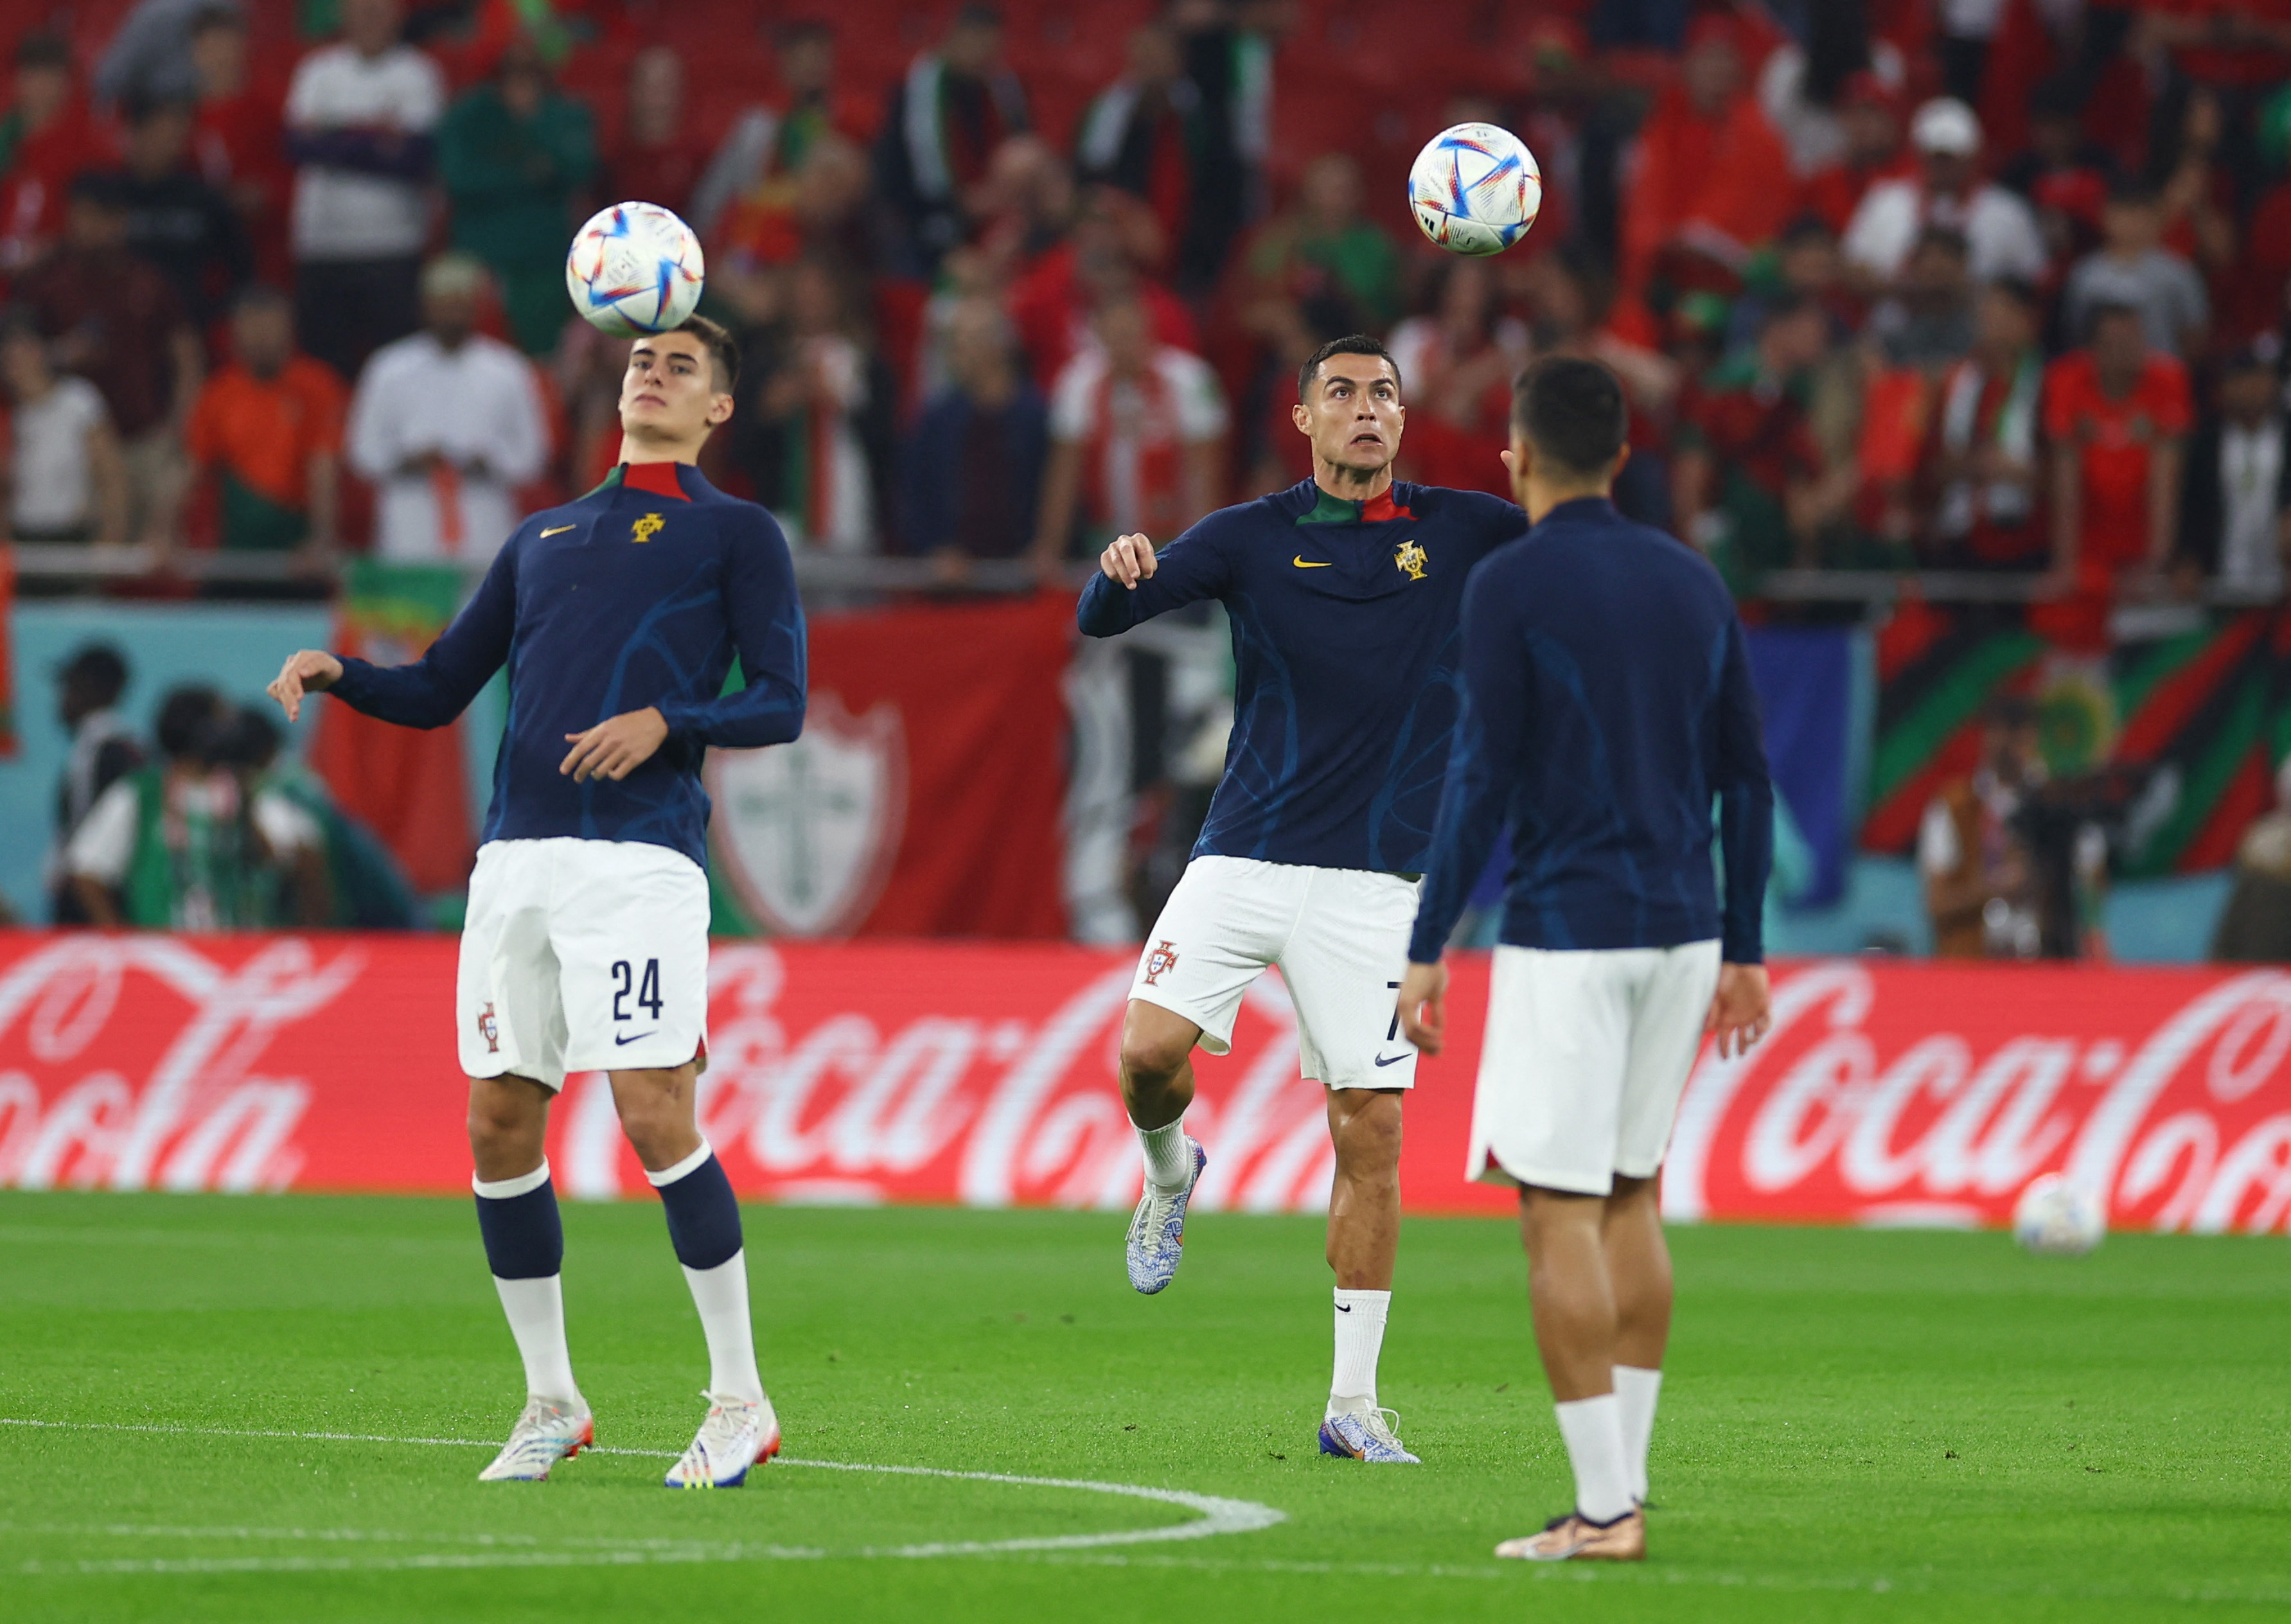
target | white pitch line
[{"x": 1216, "y": 1515}]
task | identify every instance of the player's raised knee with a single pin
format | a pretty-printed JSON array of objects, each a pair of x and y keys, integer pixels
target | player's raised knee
[
  {"x": 1365, "y": 1126},
  {"x": 1155, "y": 1051}
]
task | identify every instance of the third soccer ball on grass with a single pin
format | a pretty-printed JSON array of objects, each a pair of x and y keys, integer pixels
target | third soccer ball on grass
[
  {"x": 2057, "y": 1219},
  {"x": 1474, "y": 189},
  {"x": 635, "y": 268}
]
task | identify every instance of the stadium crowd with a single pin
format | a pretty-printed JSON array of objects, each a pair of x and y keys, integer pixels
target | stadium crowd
[{"x": 1979, "y": 286}]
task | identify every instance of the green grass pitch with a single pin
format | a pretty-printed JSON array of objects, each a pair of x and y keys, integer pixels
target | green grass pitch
[{"x": 1883, "y": 1425}]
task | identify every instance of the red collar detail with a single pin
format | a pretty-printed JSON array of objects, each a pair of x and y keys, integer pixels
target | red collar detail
[
  {"x": 658, "y": 478},
  {"x": 1382, "y": 508}
]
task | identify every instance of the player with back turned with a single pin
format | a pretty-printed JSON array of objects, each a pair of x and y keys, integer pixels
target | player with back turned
[
  {"x": 1343, "y": 594},
  {"x": 619, "y": 616},
  {"x": 1607, "y": 701}
]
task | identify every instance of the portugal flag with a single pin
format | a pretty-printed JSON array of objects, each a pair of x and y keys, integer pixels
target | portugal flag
[{"x": 408, "y": 784}]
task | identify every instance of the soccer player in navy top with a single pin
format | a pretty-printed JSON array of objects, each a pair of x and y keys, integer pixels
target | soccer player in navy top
[
  {"x": 619, "y": 616},
  {"x": 1343, "y": 593},
  {"x": 1607, "y": 702}
]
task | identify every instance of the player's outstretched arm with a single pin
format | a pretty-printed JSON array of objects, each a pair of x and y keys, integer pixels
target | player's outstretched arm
[
  {"x": 307, "y": 670},
  {"x": 437, "y": 687},
  {"x": 1135, "y": 584}
]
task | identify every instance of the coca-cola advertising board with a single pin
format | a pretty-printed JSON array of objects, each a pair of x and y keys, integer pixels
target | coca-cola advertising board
[{"x": 984, "y": 1074}]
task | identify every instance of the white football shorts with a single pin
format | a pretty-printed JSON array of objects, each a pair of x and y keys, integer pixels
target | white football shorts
[
  {"x": 1339, "y": 936},
  {"x": 1586, "y": 1056},
  {"x": 582, "y": 956}
]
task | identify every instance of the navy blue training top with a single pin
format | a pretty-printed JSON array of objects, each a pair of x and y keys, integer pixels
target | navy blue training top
[
  {"x": 1607, "y": 701},
  {"x": 1345, "y": 663},
  {"x": 640, "y": 594}
]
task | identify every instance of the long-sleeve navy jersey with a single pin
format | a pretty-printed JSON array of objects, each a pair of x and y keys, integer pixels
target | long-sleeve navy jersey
[
  {"x": 640, "y": 593},
  {"x": 1345, "y": 663},
  {"x": 1607, "y": 699}
]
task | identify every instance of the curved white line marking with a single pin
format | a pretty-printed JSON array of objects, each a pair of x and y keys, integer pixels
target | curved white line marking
[{"x": 1217, "y": 1515}]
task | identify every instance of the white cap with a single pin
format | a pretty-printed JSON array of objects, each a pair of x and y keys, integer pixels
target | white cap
[{"x": 1947, "y": 125}]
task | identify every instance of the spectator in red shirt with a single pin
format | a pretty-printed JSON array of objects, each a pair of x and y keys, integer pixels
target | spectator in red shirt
[
  {"x": 2116, "y": 412},
  {"x": 658, "y": 158},
  {"x": 267, "y": 430},
  {"x": 239, "y": 142},
  {"x": 45, "y": 139}
]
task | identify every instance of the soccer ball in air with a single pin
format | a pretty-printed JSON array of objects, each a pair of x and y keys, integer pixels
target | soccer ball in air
[
  {"x": 2058, "y": 1220},
  {"x": 634, "y": 268},
  {"x": 1474, "y": 189}
]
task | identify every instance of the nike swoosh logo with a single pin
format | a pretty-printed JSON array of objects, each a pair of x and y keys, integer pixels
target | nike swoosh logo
[
  {"x": 561, "y": 530},
  {"x": 621, "y": 1043},
  {"x": 1395, "y": 1060},
  {"x": 1344, "y": 1307},
  {"x": 1301, "y": 562}
]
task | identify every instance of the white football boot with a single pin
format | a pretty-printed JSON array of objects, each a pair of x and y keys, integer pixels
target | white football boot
[
  {"x": 1364, "y": 1434},
  {"x": 737, "y": 1435},
  {"x": 1156, "y": 1242},
  {"x": 544, "y": 1434}
]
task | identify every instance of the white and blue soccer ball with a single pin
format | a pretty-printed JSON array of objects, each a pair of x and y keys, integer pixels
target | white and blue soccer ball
[
  {"x": 2056, "y": 1218},
  {"x": 1474, "y": 189},
  {"x": 634, "y": 268}
]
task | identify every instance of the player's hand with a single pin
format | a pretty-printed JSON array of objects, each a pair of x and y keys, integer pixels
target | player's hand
[
  {"x": 614, "y": 747},
  {"x": 1739, "y": 1013},
  {"x": 1424, "y": 1005},
  {"x": 307, "y": 671},
  {"x": 1129, "y": 560}
]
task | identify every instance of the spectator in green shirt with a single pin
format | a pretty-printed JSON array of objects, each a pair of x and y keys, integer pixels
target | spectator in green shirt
[{"x": 516, "y": 156}]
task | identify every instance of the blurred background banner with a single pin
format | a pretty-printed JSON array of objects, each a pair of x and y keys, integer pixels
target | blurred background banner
[
  {"x": 924, "y": 797},
  {"x": 906, "y": 1071},
  {"x": 2190, "y": 713},
  {"x": 408, "y": 784},
  {"x": 1805, "y": 679}
]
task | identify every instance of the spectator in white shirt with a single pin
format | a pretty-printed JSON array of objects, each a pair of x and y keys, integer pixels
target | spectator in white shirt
[
  {"x": 1135, "y": 428},
  {"x": 360, "y": 115},
  {"x": 447, "y": 424},
  {"x": 2000, "y": 230},
  {"x": 66, "y": 482}
]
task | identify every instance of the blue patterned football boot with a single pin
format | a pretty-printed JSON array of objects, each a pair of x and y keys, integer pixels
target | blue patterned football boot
[
  {"x": 1157, "y": 1229},
  {"x": 1364, "y": 1434}
]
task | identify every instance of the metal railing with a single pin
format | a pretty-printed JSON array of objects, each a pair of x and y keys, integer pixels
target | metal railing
[{"x": 856, "y": 574}]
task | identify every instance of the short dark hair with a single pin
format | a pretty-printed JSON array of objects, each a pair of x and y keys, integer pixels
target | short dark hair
[
  {"x": 1948, "y": 239},
  {"x": 99, "y": 669},
  {"x": 1572, "y": 413},
  {"x": 101, "y": 188},
  {"x": 1353, "y": 344},
  {"x": 723, "y": 352},
  {"x": 2132, "y": 191},
  {"x": 186, "y": 720},
  {"x": 2021, "y": 292},
  {"x": 260, "y": 296},
  {"x": 45, "y": 50}
]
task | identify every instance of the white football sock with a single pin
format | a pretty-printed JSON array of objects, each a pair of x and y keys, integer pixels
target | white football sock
[
  {"x": 721, "y": 1296},
  {"x": 1168, "y": 1160},
  {"x": 1592, "y": 1429},
  {"x": 1636, "y": 1390},
  {"x": 1359, "y": 1338},
  {"x": 536, "y": 1319}
]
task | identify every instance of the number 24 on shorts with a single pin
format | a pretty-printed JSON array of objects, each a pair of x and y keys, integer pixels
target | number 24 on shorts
[{"x": 647, "y": 991}]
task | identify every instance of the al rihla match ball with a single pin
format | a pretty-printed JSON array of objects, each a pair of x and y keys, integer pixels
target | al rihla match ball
[
  {"x": 2058, "y": 1220},
  {"x": 635, "y": 268},
  {"x": 1474, "y": 189}
]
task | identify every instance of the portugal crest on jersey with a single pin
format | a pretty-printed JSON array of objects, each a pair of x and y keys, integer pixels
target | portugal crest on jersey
[
  {"x": 1410, "y": 558},
  {"x": 647, "y": 528},
  {"x": 489, "y": 1029},
  {"x": 1162, "y": 960},
  {"x": 805, "y": 833}
]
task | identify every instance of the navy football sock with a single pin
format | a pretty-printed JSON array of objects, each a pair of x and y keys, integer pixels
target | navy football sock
[
  {"x": 524, "y": 1247},
  {"x": 525, "y": 1237},
  {"x": 703, "y": 1218},
  {"x": 704, "y": 1226}
]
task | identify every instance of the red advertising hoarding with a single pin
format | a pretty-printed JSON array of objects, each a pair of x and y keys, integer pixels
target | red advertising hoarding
[{"x": 984, "y": 1074}]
